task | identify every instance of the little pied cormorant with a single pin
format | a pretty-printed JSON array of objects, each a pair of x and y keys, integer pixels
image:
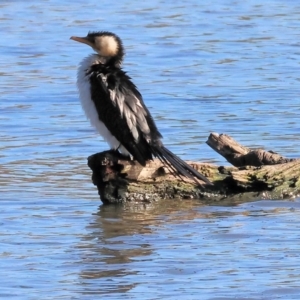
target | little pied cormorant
[{"x": 116, "y": 108}]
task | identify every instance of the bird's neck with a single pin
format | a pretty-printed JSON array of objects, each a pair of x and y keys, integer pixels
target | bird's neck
[
  {"x": 94, "y": 59},
  {"x": 108, "y": 60}
]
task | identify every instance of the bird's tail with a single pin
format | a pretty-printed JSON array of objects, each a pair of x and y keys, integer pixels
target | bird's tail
[{"x": 177, "y": 165}]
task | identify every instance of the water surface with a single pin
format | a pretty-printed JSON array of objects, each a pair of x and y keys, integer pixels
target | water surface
[{"x": 226, "y": 67}]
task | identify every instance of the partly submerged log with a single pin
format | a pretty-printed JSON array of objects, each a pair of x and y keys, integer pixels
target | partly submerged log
[{"x": 119, "y": 180}]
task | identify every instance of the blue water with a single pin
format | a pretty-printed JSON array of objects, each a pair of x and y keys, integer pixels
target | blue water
[{"x": 227, "y": 67}]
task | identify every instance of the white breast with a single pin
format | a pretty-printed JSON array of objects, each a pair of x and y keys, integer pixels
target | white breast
[{"x": 88, "y": 105}]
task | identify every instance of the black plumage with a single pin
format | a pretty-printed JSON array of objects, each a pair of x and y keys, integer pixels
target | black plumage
[
  {"x": 110, "y": 113},
  {"x": 121, "y": 108}
]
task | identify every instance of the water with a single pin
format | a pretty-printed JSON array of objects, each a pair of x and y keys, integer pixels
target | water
[{"x": 227, "y": 67}]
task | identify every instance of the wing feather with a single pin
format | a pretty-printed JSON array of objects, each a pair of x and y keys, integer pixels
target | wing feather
[{"x": 121, "y": 108}]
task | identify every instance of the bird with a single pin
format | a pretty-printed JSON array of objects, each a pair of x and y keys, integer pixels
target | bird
[{"x": 115, "y": 107}]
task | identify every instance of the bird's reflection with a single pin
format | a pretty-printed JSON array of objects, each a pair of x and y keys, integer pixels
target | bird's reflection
[
  {"x": 120, "y": 242},
  {"x": 112, "y": 243}
]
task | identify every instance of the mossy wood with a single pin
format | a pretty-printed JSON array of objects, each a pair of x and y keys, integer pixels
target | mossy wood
[{"x": 256, "y": 174}]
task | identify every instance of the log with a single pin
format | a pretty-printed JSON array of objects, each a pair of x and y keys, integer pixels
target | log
[
  {"x": 256, "y": 174},
  {"x": 239, "y": 155}
]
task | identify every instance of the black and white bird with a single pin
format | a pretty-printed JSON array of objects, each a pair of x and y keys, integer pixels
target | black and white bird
[{"x": 116, "y": 108}]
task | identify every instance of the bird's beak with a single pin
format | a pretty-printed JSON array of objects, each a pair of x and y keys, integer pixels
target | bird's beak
[{"x": 83, "y": 40}]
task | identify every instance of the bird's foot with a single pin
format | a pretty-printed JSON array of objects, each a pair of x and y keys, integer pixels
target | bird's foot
[{"x": 119, "y": 155}]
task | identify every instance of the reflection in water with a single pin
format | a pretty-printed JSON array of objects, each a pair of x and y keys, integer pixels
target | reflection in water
[
  {"x": 107, "y": 256},
  {"x": 117, "y": 241},
  {"x": 159, "y": 248},
  {"x": 116, "y": 246}
]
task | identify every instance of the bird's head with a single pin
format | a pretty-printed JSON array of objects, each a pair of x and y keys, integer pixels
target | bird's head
[{"x": 106, "y": 44}]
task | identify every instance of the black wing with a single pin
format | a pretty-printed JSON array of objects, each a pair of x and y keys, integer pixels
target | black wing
[{"x": 121, "y": 108}]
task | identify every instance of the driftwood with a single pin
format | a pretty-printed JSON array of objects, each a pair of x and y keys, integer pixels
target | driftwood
[
  {"x": 240, "y": 156},
  {"x": 257, "y": 174}
]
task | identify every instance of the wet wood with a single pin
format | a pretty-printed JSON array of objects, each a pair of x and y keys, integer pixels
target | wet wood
[{"x": 256, "y": 174}]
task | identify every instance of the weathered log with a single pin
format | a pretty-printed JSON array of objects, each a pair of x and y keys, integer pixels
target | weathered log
[
  {"x": 119, "y": 180},
  {"x": 239, "y": 155}
]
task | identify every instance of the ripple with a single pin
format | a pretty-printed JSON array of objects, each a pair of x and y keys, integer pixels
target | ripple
[{"x": 201, "y": 67}]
